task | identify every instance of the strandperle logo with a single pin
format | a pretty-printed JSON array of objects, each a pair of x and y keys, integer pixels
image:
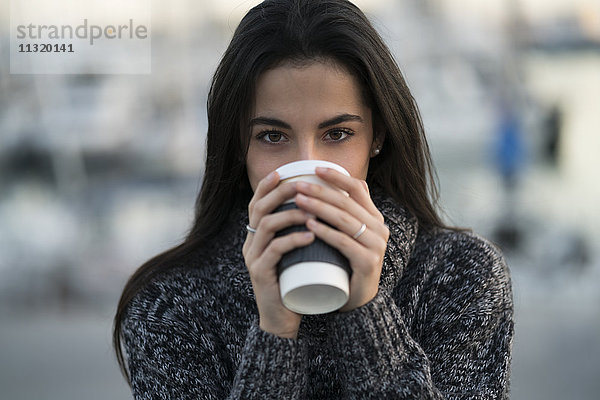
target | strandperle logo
[
  {"x": 83, "y": 31},
  {"x": 80, "y": 36}
]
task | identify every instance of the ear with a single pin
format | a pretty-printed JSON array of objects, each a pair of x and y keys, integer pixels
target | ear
[{"x": 376, "y": 146}]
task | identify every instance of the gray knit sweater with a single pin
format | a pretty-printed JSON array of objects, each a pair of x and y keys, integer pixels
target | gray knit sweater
[{"x": 440, "y": 327}]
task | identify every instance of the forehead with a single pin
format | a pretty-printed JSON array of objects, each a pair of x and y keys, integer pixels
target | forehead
[{"x": 316, "y": 88}]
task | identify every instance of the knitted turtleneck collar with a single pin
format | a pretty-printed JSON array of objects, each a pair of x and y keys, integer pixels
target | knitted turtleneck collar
[{"x": 403, "y": 228}]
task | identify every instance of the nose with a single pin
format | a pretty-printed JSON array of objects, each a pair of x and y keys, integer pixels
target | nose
[{"x": 307, "y": 150}]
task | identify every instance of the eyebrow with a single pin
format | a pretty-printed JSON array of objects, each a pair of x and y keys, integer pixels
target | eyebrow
[
  {"x": 269, "y": 121},
  {"x": 281, "y": 124},
  {"x": 339, "y": 119}
]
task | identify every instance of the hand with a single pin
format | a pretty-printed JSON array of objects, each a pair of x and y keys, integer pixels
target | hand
[
  {"x": 262, "y": 251},
  {"x": 347, "y": 214}
]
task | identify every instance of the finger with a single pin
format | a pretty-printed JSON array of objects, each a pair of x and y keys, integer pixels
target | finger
[
  {"x": 361, "y": 257},
  {"x": 339, "y": 200},
  {"x": 262, "y": 270},
  {"x": 261, "y": 206},
  {"x": 341, "y": 219},
  {"x": 356, "y": 188},
  {"x": 266, "y": 184},
  {"x": 271, "y": 224}
]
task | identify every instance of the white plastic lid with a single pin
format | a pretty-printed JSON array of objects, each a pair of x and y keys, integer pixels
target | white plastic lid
[{"x": 306, "y": 167}]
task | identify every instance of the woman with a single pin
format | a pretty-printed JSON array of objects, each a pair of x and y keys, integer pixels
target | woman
[{"x": 430, "y": 308}]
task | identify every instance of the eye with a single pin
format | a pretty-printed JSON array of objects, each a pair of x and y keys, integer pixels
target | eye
[
  {"x": 337, "y": 135},
  {"x": 271, "y": 136}
]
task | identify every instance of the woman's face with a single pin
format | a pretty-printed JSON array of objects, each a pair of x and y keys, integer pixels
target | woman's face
[{"x": 309, "y": 112}]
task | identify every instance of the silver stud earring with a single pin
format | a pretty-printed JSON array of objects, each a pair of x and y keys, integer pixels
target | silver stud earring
[{"x": 376, "y": 151}]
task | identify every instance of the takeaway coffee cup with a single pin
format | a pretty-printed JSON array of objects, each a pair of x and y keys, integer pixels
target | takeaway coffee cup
[{"x": 313, "y": 279}]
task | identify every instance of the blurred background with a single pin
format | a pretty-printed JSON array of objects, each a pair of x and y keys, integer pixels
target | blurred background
[{"x": 100, "y": 172}]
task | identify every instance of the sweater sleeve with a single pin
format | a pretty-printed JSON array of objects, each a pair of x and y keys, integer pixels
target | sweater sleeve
[
  {"x": 271, "y": 368},
  {"x": 378, "y": 357},
  {"x": 170, "y": 357},
  {"x": 458, "y": 346}
]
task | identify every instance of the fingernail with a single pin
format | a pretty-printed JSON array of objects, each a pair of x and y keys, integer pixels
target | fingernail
[
  {"x": 271, "y": 176},
  {"x": 301, "y": 197},
  {"x": 302, "y": 185},
  {"x": 311, "y": 223},
  {"x": 322, "y": 169},
  {"x": 308, "y": 235}
]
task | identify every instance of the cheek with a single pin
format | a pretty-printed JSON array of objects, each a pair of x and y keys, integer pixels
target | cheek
[
  {"x": 359, "y": 161},
  {"x": 359, "y": 169},
  {"x": 258, "y": 167},
  {"x": 254, "y": 175}
]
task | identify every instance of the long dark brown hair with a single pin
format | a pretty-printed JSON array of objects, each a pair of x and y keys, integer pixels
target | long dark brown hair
[{"x": 298, "y": 31}]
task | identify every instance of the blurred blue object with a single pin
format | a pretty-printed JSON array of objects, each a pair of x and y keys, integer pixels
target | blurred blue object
[{"x": 510, "y": 152}]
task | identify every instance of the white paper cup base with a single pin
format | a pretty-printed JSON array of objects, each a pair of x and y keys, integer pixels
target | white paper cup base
[{"x": 314, "y": 287}]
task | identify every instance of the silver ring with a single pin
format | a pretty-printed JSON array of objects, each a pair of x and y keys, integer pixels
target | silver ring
[
  {"x": 362, "y": 230},
  {"x": 250, "y": 229}
]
